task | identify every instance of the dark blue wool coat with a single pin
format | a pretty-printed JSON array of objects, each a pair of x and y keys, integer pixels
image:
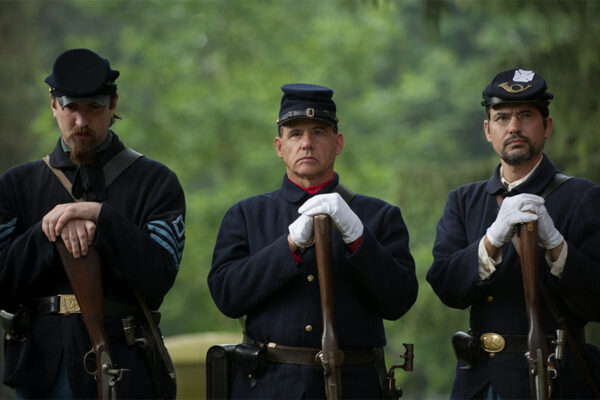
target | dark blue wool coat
[
  {"x": 254, "y": 274},
  {"x": 497, "y": 304},
  {"x": 139, "y": 236}
]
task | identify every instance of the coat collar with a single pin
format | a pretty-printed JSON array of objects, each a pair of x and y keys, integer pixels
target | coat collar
[
  {"x": 60, "y": 159},
  {"x": 295, "y": 194},
  {"x": 535, "y": 184}
]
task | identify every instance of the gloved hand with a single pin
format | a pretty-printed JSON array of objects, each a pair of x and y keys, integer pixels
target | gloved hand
[
  {"x": 344, "y": 219},
  {"x": 549, "y": 236},
  {"x": 513, "y": 211},
  {"x": 301, "y": 231}
]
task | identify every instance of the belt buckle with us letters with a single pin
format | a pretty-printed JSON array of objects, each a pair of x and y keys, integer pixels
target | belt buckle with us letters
[{"x": 492, "y": 342}]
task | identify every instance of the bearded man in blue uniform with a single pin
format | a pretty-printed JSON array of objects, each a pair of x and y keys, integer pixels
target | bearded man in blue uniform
[
  {"x": 264, "y": 265},
  {"x": 476, "y": 264},
  {"x": 128, "y": 207}
]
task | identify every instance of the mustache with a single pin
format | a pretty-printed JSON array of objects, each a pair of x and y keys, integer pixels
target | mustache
[
  {"x": 82, "y": 131},
  {"x": 516, "y": 136}
]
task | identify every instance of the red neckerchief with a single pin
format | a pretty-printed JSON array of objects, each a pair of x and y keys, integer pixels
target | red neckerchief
[
  {"x": 297, "y": 256},
  {"x": 314, "y": 189}
]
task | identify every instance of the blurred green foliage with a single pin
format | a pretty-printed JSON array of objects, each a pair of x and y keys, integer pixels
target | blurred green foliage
[{"x": 199, "y": 91}]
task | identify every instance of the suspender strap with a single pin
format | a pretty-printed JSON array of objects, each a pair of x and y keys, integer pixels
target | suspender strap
[
  {"x": 111, "y": 170},
  {"x": 559, "y": 179},
  {"x": 346, "y": 193},
  {"x": 62, "y": 178},
  {"x": 119, "y": 163}
]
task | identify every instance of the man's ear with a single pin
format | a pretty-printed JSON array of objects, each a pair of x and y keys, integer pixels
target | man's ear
[
  {"x": 278, "y": 146},
  {"x": 53, "y": 105},
  {"x": 114, "y": 101},
  {"x": 339, "y": 143},
  {"x": 486, "y": 129},
  {"x": 548, "y": 129}
]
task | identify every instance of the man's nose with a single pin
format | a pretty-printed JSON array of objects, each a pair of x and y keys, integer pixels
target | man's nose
[
  {"x": 306, "y": 140},
  {"x": 81, "y": 118},
  {"x": 514, "y": 125}
]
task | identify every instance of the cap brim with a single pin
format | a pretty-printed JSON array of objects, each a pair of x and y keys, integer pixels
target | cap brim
[
  {"x": 492, "y": 101},
  {"x": 296, "y": 117},
  {"x": 100, "y": 99}
]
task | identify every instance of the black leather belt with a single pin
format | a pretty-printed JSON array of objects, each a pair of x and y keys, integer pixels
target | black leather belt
[
  {"x": 66, "y": 304},
  {"x": 496, "y": 343},
  {"x": 307, "y": 356}
]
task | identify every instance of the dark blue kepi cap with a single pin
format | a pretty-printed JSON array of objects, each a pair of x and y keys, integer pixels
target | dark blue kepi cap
[
  {"x": 82, "y": 75},
  {"x": 303, "y": 100},
  {"x": 517, "y": 85}
]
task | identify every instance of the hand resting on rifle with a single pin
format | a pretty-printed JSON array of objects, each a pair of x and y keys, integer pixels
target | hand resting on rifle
[
  {"x": 514, "y": 210},
  {"x": 301, "y": 231},
  {"x": 75, "y": 223},
  {"x": 342, "y": 216},
  {"x": 549, "y": 236}
]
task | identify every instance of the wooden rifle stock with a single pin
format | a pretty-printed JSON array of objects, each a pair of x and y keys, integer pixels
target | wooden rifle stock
[
  {"x": 537, "y": 354},
  {"x": 85, "y": 278},
  {"x": 330, "y": 356}
]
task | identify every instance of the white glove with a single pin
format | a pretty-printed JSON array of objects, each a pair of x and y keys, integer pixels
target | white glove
[
  {"x": 513, "y": 212},
  {"x": 344, "y": 219},
  {"x": 549, "y": 236},
  {"x": 301, "y": 231}
]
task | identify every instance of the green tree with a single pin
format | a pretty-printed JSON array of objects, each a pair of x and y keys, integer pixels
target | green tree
[{"x": 199, "y": 91}]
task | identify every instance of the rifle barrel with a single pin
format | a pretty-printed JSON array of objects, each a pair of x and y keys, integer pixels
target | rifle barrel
[
  {"x": 536, "y": 338},
  {"x": 85, "y": 277},
  {"x": 330, "y": 356}
]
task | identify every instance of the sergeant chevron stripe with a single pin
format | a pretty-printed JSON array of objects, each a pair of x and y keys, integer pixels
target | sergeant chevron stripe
[
  {"x": 6, "y": 231},
  {"x": 170, "y": 236}
]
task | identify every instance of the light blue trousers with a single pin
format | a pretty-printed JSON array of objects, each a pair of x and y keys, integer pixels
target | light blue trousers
[{"x": 60, "y": 389}]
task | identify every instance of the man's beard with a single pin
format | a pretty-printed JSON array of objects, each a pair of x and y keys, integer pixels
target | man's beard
[
  {"x": 83, "y": 149},
  {"x": 521, "y": 155}
]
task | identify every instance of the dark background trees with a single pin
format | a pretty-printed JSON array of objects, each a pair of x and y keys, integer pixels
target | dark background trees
[{"x": 199, "y": 90}]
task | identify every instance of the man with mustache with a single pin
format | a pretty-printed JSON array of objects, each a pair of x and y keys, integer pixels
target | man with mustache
[
  {"x": 476, "y": 264},
  {"x": 91, "y": 191},
  {"x": 264, "y": 265}
]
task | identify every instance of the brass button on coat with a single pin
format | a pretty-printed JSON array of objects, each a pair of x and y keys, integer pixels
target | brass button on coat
[
  {"x": 310, "y": 278},
  {"x": 490, "y": 299},
  {"x": 308, "y": 328}
]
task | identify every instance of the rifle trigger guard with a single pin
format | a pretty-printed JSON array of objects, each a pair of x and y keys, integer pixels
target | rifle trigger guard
[{"x": 85, "y": 362}]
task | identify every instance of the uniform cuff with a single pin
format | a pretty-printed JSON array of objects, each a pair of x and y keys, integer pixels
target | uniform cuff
[
  {"x": 354, "y": 245},
  {"x": 297, "y": 256},
  {"x": 487, "y": 264},
  {"x": 557, "y": 267}
]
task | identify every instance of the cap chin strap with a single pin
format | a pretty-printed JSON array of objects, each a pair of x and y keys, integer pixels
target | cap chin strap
[
  {"x": 100, "y": 99},
  {"x": 309, "y": 113}
]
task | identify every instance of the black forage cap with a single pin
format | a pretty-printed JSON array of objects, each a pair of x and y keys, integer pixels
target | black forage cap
[
  {"x": 517, "y": 85},
  {"x": 82, "y": 75},
  {"x": 303, "y": 100}
]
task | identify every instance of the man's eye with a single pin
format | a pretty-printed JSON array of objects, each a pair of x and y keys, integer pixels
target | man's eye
[{"x": 525, "y": 116}]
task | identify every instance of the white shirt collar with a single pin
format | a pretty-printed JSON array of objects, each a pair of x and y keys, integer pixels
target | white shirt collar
[{"x": 511, "y": 185}]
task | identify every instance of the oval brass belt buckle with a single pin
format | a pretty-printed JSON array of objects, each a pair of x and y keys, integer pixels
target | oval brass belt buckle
[{"x": 492, "y": 342}]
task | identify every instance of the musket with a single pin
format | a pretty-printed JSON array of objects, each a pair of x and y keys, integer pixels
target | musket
[
  {"x": 330, "y": 355},
  {"x": 537, "y": 354},
  {"x": 85, "y": 277}
]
